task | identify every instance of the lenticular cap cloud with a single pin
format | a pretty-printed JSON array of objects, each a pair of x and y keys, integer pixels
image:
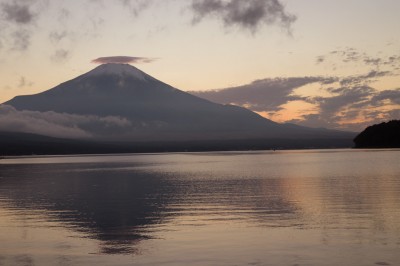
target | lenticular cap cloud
[{"x": 122, "y": 60}]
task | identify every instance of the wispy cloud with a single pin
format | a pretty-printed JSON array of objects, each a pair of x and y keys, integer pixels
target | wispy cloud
[
  {"x": 17, "y": 20},
  {"x": 351, "y": 55},
  {"x": 244, "y": 14},
  {"x": 57, "y": 36},
  {"x": 136, "y": 6},
  {"x": 18, "y": 12},
  {"x": 123, "y": 60},
  {"x": 60, "y": 55},
  {"x": 21, "y": 39},
  {"x": 364, "y": 79},
  {"x": 23, "y": 82}
]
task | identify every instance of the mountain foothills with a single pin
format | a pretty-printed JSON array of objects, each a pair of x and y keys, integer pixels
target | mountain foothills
[
  {"x": 383, "y": 135},
  {"x": 118, "y": 103}
]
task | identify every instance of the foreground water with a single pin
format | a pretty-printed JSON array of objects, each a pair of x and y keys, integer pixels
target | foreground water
[{"x": 326, "y": 207}]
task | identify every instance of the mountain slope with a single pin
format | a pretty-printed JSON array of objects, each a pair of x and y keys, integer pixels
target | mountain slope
[{"x": 155, "y": 110}]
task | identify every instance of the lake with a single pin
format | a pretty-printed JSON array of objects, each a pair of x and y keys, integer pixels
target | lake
[{"x": 305, "y": 207}]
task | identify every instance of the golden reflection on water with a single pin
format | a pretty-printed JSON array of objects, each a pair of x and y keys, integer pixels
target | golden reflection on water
[{"x": 359, "y": 198}]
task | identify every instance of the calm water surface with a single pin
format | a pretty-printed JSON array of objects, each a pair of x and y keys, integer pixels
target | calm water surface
[{"x": 315, "y": 207}]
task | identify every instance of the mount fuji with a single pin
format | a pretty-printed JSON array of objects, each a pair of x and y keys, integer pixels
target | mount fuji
[{"x": 151, "y": 110}]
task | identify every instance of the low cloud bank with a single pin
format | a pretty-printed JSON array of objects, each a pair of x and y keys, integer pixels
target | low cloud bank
[{"x": 60, "y": 125}]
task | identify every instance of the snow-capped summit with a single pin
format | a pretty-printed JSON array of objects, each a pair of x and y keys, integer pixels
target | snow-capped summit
[{"x": 117, "y": 69}]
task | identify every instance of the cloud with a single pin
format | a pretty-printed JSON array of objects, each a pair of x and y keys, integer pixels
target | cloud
[
  {"x": 352, "y": 108},
  {"x": 17, "y": 21},
  {"x": 57, "y": 36},
  {"x": 348, "y": 103},
  {"x": 60, "y": 56},
  {"x": 23, "y": 82},
  {"x": 63, "y": 44},
  {"x": 136, "y": 6},
  {"x": 63, "y": 15},
  {"x": 392, "y": 96},
  {"x": 364, "y": 79},
  {"x": 61, "y": 124},
  {"x": 21, "y": 40},
  {"x": 346, "y": 97},
  {"x": 18, "y": 12},
  {"x": 123, "y": 60},
  {"x": 320, "y": 59},
  {"x": 260, "y": 95},
  {"x": 243, "y": 14},
  {"x": 394, "y": 113},
  {"x": 21, "y": 19},
  {"x": 356, "y": 57},
  {"x": 35, "y": 122}
]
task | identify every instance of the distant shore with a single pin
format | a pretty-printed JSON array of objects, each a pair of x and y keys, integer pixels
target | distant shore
[{"x": 12, "y": 144}]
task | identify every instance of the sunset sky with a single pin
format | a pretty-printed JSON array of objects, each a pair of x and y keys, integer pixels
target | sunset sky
[{"x": 324, "y": 63}]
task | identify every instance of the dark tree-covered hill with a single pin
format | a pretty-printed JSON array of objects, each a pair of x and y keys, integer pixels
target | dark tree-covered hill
[{"x": 384, "y": 135}]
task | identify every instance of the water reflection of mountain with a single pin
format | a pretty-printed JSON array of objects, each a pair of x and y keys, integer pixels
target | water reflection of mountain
[
  {"x": 121, "y": 205},
  {"x": 116, "y": 208}
]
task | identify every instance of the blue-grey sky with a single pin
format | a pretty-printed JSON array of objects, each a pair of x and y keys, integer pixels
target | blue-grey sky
[{"x": 318, "y": 63}]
